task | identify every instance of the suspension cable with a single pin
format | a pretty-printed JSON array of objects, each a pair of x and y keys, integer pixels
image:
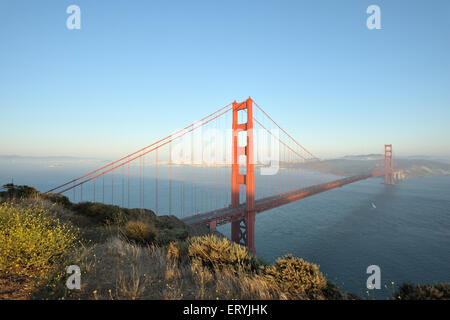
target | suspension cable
[
  {"x": 301, "y": 146},
  {"x": 146, "y": 152},
  {"x": 132, "y": 154}
]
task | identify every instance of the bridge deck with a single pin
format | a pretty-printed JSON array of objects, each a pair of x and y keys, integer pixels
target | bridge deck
[{"x": 228, "y": 214}]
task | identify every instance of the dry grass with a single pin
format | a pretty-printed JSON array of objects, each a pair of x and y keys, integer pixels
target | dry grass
[
  {"x": 118, "y": 269},
  {"x": 140, "y": 232}
]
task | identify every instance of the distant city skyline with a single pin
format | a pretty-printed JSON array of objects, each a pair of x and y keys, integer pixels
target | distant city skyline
[{"x": 135, "y": 72}]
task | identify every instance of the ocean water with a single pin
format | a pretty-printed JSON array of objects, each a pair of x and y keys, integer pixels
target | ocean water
[
  {"x": 406, "y": 233},
  {"x": 404, "y": 229}
]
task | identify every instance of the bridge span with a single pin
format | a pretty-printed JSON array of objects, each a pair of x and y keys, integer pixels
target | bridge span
[{"x": 229, "y": 214}]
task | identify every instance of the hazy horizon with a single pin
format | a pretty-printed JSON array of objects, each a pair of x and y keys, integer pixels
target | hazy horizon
[{"x": 103, "y": 159}]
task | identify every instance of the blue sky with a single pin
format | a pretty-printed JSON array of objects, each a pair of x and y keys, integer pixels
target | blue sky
[{"x": 138, "y": 70}]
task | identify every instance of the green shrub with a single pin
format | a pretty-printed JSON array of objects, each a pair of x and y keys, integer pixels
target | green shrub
[
  {"x": 166, "y": 236},
  {"x": 438, "y": 291},
  {"x": 215, "y": 252},
  {"x": 15, "y": 191},
  {"x": 333, "y": 292},
  {"x": 101, "y": 213},
  {"x": 140, "y": 232},
  {"x": 56, "y": 198},
  {"x": 298, "y": 278},
  {"x": 32, "y": 240}
]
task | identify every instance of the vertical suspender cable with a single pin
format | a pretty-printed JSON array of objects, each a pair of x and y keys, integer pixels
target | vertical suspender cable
[
  {"x": 279, "y": 167},
  {"x": 195, "y": 186},
  {"x": 285, "y": 169},
  {"x": 143, "y": 181},
  {"x": 140, "y": 182},
  {"x": 182, "y": 187},
  {"x": 170, "y": 178},
  {"x": 192, "y": 176},
  {"x": 215, "y": 164},
  {"x": 112, "y": 187},
  {"x": 156, "y": 181},
  {"x": 123, "y": 186}
]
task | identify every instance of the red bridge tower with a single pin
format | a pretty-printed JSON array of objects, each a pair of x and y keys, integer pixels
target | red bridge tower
[
  {"x": 388, "y": 164},
  {"x": 243, "y": 228}
]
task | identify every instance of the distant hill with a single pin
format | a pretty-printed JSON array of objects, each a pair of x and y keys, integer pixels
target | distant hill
[
  {"x": 49, "y": 158},
  {"x": 409, "y": 167},
  {"x": 360, "y": 164},
  {"x": 371, "y": 156}
]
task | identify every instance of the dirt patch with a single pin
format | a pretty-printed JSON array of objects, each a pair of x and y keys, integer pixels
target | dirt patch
[{"x": 15, "y": 287}]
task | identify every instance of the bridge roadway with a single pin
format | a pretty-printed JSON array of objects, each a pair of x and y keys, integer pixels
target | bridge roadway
[{"x": 229, "y": 214}]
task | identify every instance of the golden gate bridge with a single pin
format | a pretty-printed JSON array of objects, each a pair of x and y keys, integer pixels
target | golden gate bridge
[{"x": 205, "y": 172}]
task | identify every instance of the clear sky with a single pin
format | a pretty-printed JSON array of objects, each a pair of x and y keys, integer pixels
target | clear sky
[{"x": 138, "y": 70}]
